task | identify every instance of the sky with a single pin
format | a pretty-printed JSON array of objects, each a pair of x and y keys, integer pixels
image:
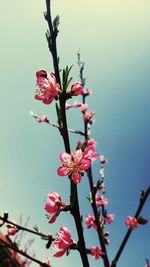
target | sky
[{"x": 114, "y": 42}]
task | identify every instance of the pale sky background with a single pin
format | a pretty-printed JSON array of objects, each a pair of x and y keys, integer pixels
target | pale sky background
[{"x": 114, "y": 40}]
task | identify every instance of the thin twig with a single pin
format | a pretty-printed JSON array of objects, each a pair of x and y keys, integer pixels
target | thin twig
[
  {"x": 21, "y": 252},
  {"x": 57, "y": 126},
  {"x": 90, "y": 176},
  {"x": 125, "y": 240},
  {"x": 19, "y": 227}
]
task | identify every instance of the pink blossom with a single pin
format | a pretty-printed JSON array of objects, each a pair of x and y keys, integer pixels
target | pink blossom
[
  {"x": 109, "y": 218},
  {"x": 77, "y": 104},
  {"x": 90, "y": 143},
  {"x": 100, "y": 200},
  {"x": 48, "y": 87},
  {"x": 67, "y": 106},
  {"x": 44, "y": 118},
  {"x": 62, "y": 242},
  {"x": 89, "y": 151},
  {"x": 96, "y": 252},
  {"x": 73, "y": 165},
  {"x": 90, "y": 221},
  {"x": 132, "y": 222},
  {"x": 84, "y": 107},
  {"x": 11, "y": 229},
  {"x": 87, "y": 92},
  {"x": 76, "y": 89},
  {"x": 53, "y": 205},
  {"x": 88, "y": 116}
]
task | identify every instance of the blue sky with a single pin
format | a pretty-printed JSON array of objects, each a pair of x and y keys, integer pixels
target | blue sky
[{"x": 113, "y": 37}]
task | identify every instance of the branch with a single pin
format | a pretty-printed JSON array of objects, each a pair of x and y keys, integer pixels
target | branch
[
  {"x": 64, "y": 132},
  {"x": 99, "y": 230},
  {"x": 125, "y": 240},
  {"x": 19, "y": 227},
  {"x": 90, "y": 176},
  {"x": 21, "y": 252},
  {"x": 56, "y": 125}
]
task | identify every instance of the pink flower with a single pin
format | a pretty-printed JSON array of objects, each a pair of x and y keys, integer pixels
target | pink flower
[
  {"x": 132, "y": 222},
  {"x": 48, "y": 87},
  {"x": 109, "y": 218},
  {"x": 62, "y": 242},
  {"x": 90, "y": 221},
  {"x": 96, "y": 252},
  {"x": 53, "y": 205},
  {"x": 73, "y": 165},
  {"x": 87, "y": 92},
  {"x": 44, "y": 118},
  {"x": 67, "y": 106},
  {"x": 77, "y": 104},
  {"x": 100, "y": 200},
  {"x": 11, "y": 229},
  {"x": 88, "y": 116},
  {"x": 76, "y": 89},
  {"x": 84, "y": 107},
  {"x": 89, "y": 151},
  {"x": 91, "y": 142}
]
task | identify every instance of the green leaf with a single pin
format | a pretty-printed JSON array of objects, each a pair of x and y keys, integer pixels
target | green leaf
[
  {"x": 65, "y": 77},
  {"x": 56, "y": 22},
  {"x": 36, "y": 228}
]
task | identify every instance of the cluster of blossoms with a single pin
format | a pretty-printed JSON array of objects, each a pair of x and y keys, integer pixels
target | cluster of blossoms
[
  {"x": 74, "y": 165},
  {"x": 90, "y": 220},
  {"x": 49, "y": 89},
  {"x": 83, "y": 107},
  {"x": 100, "y": 200},
  {"x": 77, "y": 162},
  {"x": 88, "y": 117},
  {"x": 132, "y": 222},
  {"x": 96, "y": 252}
]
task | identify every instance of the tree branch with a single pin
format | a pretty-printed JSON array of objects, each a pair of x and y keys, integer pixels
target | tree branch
[
  {"x": 64, "y": 132},
  {"x": 21, "y": 252},
  {"x": 125, "y": 240},
  {"x": 90, "y": 176}
]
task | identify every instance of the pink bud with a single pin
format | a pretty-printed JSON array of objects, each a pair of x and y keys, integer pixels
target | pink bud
[
  {"x": 76, "y": 89},
  {"x": 132, "y": 222},
  {"x": 96, "y": 252}
]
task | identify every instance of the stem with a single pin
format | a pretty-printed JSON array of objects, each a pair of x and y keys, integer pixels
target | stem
[
  {"x": 99, "y": 230},
  {"x": 125, "y": 240},
  {"x": 19, "y": 227},
  {"x": 5, "y": 244},
  {"x": 57, "y": 126},
  {"x": 90, "y": 176},
  {"x": 75, "y": 211},
  {"x": 52, "y": 47}
]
